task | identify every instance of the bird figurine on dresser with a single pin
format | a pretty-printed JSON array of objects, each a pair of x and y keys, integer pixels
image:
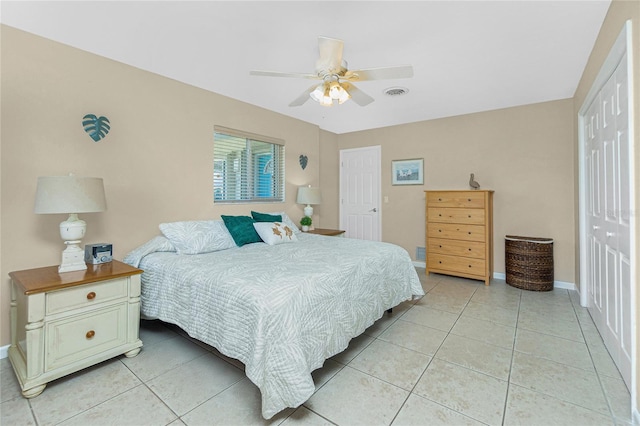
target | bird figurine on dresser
[{"x": 472, "y": 183}]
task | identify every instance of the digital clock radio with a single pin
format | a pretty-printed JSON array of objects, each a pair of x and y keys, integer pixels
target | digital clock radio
[{"x": 98, "y": 253}]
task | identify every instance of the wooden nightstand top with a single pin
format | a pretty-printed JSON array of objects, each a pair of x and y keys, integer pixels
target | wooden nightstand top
[
  {"x": 324, "y": 231},
  {"x": 45, "y": 279}
]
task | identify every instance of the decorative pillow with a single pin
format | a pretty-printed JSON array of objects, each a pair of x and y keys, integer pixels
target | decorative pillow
[
  {"x": 200, "y": 236},
  {"x": 287, "y": 221},
  {"x": 274, "y": 233},
  {"x": 266, "y": 217},
  {"x": 241, "y": 229}
]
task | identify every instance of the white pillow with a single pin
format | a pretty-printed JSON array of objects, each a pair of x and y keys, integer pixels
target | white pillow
[
  {"x": 199, "y": 236},
  {"x": 287, "y": 221},
  {"x": 274, "y": 233}
]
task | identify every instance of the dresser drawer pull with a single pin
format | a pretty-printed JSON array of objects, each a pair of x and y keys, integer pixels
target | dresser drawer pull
[
  {"x": 91, "y": 296},
  {"x": 440, "y": 246},
  {"x": 469, "y": 266},
  {"x": 469, "y": 232},
  {"x": 90, "y": 334},
  {"x": 468, "y": 199}
]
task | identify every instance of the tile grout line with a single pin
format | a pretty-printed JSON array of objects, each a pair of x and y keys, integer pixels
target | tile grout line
[{"x": 513, "y": 352}]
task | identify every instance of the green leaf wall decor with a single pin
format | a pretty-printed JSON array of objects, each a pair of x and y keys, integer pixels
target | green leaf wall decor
[{"x": 97, "y": 127}]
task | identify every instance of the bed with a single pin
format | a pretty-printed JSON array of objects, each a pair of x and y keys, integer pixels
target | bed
[{"x": 281, "y": 309}]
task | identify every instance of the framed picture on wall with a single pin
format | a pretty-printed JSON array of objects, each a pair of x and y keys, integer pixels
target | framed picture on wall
[{"x": 407, "y": 172}]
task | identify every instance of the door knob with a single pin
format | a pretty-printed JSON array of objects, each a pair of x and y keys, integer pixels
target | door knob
[
  {"x": 610, "y": 234},
  {"x": 373, "y": 210}
]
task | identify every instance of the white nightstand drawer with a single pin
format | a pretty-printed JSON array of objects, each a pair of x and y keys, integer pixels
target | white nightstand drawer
[
  {"x": 86, "y": 295},
  {"x": 80, "y": 336}
]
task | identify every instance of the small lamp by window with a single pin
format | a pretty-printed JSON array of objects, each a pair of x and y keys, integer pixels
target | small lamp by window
[
  {"x": 308, "y": 195},
  {"x": 70, "y": 195}
]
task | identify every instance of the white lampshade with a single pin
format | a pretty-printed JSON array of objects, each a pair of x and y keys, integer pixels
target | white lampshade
[
  {"x": 70, "y": 195},
  {"x": 309, "y": 195}
]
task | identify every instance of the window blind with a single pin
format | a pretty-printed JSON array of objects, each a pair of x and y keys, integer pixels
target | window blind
[{"x": 247, "y": 168}]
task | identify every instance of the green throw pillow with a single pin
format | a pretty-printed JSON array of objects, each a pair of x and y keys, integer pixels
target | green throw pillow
[
  {"x": 241, "y": 229},
  {"x": 265, "y": 217}
]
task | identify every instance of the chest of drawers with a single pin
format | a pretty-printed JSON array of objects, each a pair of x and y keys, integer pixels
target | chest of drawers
[
  {"x": 459, "y": 233},
  {"x": 61, "y": 323}
]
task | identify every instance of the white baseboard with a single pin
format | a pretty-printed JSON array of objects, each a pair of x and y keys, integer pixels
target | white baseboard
[
  {"x": 502, "y": 276},
  {"x": 4, "y": 351}
]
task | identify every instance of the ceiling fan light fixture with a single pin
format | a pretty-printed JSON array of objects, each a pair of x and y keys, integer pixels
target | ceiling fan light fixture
[
  {"x": 337, "y": 92},
  {"x": 321, "y": 94}
]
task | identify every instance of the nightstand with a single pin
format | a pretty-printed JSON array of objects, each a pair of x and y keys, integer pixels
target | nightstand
[
  {"x": 62, "y": 323},
  {"x": 328, "y": 232}
]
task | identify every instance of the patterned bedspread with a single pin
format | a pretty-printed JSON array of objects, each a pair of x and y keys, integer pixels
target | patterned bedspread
[{"x": 281, "y": 310}]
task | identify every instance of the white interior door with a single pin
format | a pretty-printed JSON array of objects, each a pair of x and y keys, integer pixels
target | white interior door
[
  {"x": 607, "y": 190},
  {"x": 360, "y": 193}
]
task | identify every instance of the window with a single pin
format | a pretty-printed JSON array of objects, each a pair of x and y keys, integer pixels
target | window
[{"x": 247, "y": 168}]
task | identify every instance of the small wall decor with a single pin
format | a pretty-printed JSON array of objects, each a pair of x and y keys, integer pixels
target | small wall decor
[
  {"x": 96, "y": 127},
  {"x": 407, "y": 172},
  {"x": 303, "y": 161}
]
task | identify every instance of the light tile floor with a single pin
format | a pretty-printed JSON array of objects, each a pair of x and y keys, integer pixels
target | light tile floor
[{"x": 465, "y": 354}]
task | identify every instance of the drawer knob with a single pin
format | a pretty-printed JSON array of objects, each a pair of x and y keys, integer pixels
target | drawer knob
[
  {"x": 90, "y": 334},
  {"x": 469, "y": 232},
  {"x": 469, "y": 266},
  {"x": 440, "y": 246},
  {"x": 91, "y": 296},
  {"x": 468, "y": 199},
  {"x": 439, "y": 261},
  {"x": 469, "y": 249},
  {"x": 439, "y": 199},
  {"x": 439, "y": 214}
]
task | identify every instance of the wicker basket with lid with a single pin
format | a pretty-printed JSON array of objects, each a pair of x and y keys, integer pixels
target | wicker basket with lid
[{"x": 529, "y": 263}]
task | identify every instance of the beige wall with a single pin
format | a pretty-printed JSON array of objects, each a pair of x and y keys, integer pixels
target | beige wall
[
  {"x": 619, "y": 12},
  {"x": 524, "y": 154},
  {"x": 156, "y": 161}
]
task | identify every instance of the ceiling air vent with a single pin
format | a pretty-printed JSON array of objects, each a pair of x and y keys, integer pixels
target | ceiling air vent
[{"x": 396, "y": 91}]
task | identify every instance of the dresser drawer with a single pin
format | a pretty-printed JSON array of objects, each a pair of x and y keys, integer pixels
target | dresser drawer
[
  {"x": 465, "y": 265},
  {"x": 81, "y": 336},
  {"x": 456, "y": 248},
  {"x": 86, "y": 295},
  {"x": 453, "y": 215},
  {"x": 456, "y": 231},
  {"x": 465, "y": 199}
]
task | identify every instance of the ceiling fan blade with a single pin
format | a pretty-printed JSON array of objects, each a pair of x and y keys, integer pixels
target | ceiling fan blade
[
  {"x": 304, "y": 97},
  {"x": 383, "y": 73},
  {"x": 330, "y": 54},
  {"x": 357, "y": 95},
  {"x": 284, "y": 74}
]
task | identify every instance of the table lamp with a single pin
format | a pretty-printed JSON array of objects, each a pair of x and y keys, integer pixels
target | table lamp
[
  {"x": 308, "y": 195},
  {"x": 70, "y": 195}
]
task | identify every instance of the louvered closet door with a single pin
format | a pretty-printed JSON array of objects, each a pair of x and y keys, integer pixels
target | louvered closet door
[{"x": 608, "y": 209}]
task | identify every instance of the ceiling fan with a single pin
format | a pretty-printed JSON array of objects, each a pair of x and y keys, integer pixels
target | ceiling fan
[{"x": 337, "y": 79}]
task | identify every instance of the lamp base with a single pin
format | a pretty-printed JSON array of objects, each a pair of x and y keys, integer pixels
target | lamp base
[
  {"x": 308, "y": 210},
  {"x": 72, "y": 258}
]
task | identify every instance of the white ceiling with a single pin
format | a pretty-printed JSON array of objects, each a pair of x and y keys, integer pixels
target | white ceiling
[{"x": 468, "y": 56}]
